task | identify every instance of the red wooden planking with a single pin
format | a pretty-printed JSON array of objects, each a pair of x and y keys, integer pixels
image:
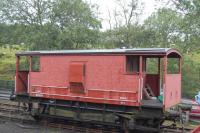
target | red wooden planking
[
  {"x": 172, "y": 92},
  {"x": 76, "y": 72},
  {"x": 105, "y": 79},
  {"x": 22, "y": 82}
]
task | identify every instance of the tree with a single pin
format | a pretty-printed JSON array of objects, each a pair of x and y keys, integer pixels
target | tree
[
  {"x": 190, "y": 9},
  {"x": 76, "y": 21},
  {"x": 52, "y": 24},
  {"x": 166, "y": 26},
  {"x": 129, "y": 12},
  {"x": 28, "y": 12},
  {"x": 122, "y": 22}
]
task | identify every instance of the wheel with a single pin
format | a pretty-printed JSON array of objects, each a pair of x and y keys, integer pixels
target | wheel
[
  {"x": 124, "y": 125},
  {"x": 36, "y": 118}
]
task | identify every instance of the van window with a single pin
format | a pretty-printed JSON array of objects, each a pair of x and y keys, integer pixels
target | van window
[
  {"x": 24, "y": 63},
  {"x": 35, "y": 64},
  {"x": 132, "y": 64},
  {"x": 152, "y": 65},
  {"x": 173, "y": 66}
]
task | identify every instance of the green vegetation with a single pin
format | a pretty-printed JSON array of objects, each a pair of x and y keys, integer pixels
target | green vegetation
[
  {"x": 75, "y": 24},
  {"x": 7, "y": 61},
  {"x": 191, "y": 74}
]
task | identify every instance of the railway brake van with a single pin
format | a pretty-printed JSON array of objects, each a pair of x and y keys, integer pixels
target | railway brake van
[{"x": 131, "y": 88}]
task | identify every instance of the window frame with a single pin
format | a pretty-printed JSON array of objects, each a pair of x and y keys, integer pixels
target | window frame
[
  {"x": 27, "y": 64},
  {"x": 125, "y": 65},
  {"x": 156, "y": 65},
  {"x": 178, "y": 63},
  {"x": 32, "y": 64}
]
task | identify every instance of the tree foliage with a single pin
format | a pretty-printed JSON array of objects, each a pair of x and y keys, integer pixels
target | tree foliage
[
  {"x": 190, "y": 9},
  {"x": 51, "y": 24},
  {"x": 165, "y": 24}
]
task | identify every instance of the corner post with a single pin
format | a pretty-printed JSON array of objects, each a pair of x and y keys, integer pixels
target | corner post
[
  {"x": 17, "y": 73},
  {"x": 180, "y": 65},
  {"x": 141, "y": 77},
  {"x": 30, "y": 69},
  {"x": 30, "y": 63},
  {"x": 17, "y": 63},
  {"x": 164, "y": 78},
  {"x": 159, "y": 75}
]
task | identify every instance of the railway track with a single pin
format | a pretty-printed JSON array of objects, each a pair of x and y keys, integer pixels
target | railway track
[
  {"x": 5, "y": 94},
  {"x": 95, "y": 128},
  {"x": 176, "y": 130},
  {"x": 11, "y": 111},
  {"x": 78, "y": 127},
  {"x": 16, "y": 112}
]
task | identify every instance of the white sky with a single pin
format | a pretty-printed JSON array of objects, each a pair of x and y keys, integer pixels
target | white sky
[{"x": 104, "y": 5}]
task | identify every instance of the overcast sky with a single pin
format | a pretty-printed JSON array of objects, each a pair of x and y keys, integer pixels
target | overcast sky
[{"x": 104, "y": 5}]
